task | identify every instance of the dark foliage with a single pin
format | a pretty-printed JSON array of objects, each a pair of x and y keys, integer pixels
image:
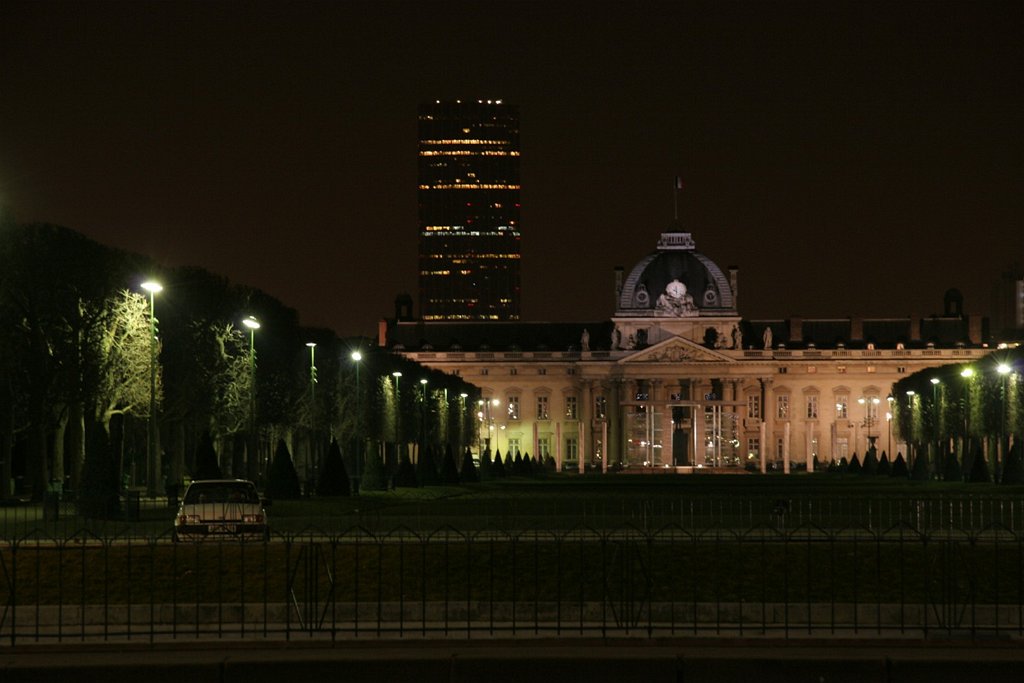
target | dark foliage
[
  {"x": 468, "y": 473},
  {"x": 449, "y": 471},
  {"x": 870, "y": 464},
  {"x": 921, "y": 470},
  {"x": 497, "y": 467},
  {"x": 283, "y": 480},
  {"x": 486, "y": 465},
  {"x": 854, "y": 466},
  {"x": 405, "y": 475},
  {"x": 1013, "y": 468},
  {"x": 529, "y": 468},
  {"x": 426, "y": 468},
  {"x": 517, "y": 465},
  {"x": 99, "y": 497},
  {"x": 374, "y": 476},
  {"x": 206, "y": 459},
  {"x": 951, "y": 468},
  {"x": 884, "y": 467},
  {"x": 899, "y": 467},
  {"x": 979, "y": 467},
  {"x": 334, "y": 476}
]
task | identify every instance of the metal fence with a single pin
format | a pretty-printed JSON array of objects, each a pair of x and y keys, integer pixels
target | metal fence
[{"x": 794, "y": 580}]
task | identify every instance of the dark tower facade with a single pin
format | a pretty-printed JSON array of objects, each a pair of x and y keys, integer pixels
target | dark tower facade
[{"x": 469, "y": 210}]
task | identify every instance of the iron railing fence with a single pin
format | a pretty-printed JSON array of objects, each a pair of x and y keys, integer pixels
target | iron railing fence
[
  {"x": 762, "y": 580},
  {"x": 941, "y": 511}
]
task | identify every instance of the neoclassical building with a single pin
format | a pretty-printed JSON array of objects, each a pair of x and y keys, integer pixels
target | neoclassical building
[{"x": 678, "y": 379}]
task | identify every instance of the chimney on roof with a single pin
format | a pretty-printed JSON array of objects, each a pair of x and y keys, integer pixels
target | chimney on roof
[
  {"x": 618, "y": 284},
  {"x": 915, "y": 328},
  {"x": 975, "y": 325},
  {"x": 856, "y": 329},
  {"x": 796, "y": 330}
]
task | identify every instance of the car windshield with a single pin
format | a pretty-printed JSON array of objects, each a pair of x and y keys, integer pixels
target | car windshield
[{"x": 221, "y": 492}]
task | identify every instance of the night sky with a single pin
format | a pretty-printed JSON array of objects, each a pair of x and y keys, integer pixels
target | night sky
[{"x": 850, "y": 158}]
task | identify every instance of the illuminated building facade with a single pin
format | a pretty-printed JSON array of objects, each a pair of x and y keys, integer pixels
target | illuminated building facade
[
  {"x": 677, "y": 380},
  {"x": 469, "y": 211}
]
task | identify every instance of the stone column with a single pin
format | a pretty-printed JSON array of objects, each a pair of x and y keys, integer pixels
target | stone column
[
  {"x": 698, "y": 388},
  {"x": 785, "y": 445},
  {"x": 768, "y": 418},
  {"x": 808, "y": 445},
  {"x": 585, "y": 424}
]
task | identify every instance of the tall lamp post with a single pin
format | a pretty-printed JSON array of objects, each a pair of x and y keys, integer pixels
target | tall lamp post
[
  {"x": 870, "y": 404},
  {"x": 356, "y": 357},
  {"x": 313, "y": 450},
  {"x": 888, "y": 420},
  {"x": 936, "y": 419},
  {"x": 423, "y": 416},
  {"x": 152, "y": 446},
  {"x": 253, "y": 325},
  {"x": 398, "y": 408},
  {"x": 1004, "y": 370}
]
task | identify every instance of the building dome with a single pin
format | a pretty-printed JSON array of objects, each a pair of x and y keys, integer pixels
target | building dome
[{"x": 676, "y": 281}]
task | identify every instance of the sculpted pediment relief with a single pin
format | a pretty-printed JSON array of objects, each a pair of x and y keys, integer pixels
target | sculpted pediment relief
[{"x": 677, "y": 350}]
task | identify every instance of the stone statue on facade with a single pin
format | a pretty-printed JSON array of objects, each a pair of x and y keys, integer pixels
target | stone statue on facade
[
  {"x": 767, "y": 338},
  {"x": 585, "y": 340}
]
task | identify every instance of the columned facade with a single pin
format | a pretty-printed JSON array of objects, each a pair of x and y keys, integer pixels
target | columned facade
[{"x": 677, "y": 381}]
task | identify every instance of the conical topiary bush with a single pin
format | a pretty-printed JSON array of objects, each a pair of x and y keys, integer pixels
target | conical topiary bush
[
  {"x": 334, "y": 475},
  {"x": 979, "y": 467},
  {"x": 1013, "y": 468},
  {"x": 468, "y": 473},
  {"x": 899, "y": 468},
  {"x": 449, "y": 471},
  {"x": 282, "y": 479}
]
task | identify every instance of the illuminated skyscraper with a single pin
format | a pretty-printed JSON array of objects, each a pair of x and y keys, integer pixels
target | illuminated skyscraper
[{"x": 469, "y": 210}]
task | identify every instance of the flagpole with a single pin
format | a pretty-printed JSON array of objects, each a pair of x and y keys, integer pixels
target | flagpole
[{"x": 675, "y": 197}]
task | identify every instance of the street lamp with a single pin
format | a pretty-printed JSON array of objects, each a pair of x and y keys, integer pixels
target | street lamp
[
  {"x": 423, "y": 416},
  {"x": 253, "y": 325},
  {"x": 888, "y": 419},
  {"x": 398, "y": 406},
  {"x": 870, "y": 404},
  {"x": 356, "y": 357},
  {"x": 1004, "y": 370},
  {"x": 152, "y": 468},
  {"x": 313, "y": 450}
]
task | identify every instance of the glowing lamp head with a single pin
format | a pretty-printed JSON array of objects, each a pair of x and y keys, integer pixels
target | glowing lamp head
[
  {"x": 251, "y": 323},
  {"x": 152, "y": 287},
  {"x": 356, "y": 356}
]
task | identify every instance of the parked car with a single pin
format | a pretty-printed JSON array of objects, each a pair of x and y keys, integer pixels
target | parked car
[{"x": 223, "y": 509}]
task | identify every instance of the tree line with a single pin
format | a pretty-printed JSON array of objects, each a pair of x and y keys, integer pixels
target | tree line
[
  {"x": 105, "y": 386},
  {"x": 966, "y": 421}
]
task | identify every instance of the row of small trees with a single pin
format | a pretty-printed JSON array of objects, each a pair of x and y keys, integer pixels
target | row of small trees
[
  {"x": 75, "y": 382},
  {"x": 946, "y": 465},
  {"x": 965, "y": 422}
]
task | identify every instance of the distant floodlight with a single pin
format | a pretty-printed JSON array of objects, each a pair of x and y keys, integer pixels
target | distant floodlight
[
  {"x": 356, "y": 356},
  {"x": 967, "y": 372},
  {"x": 1003, "y": 368}
]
